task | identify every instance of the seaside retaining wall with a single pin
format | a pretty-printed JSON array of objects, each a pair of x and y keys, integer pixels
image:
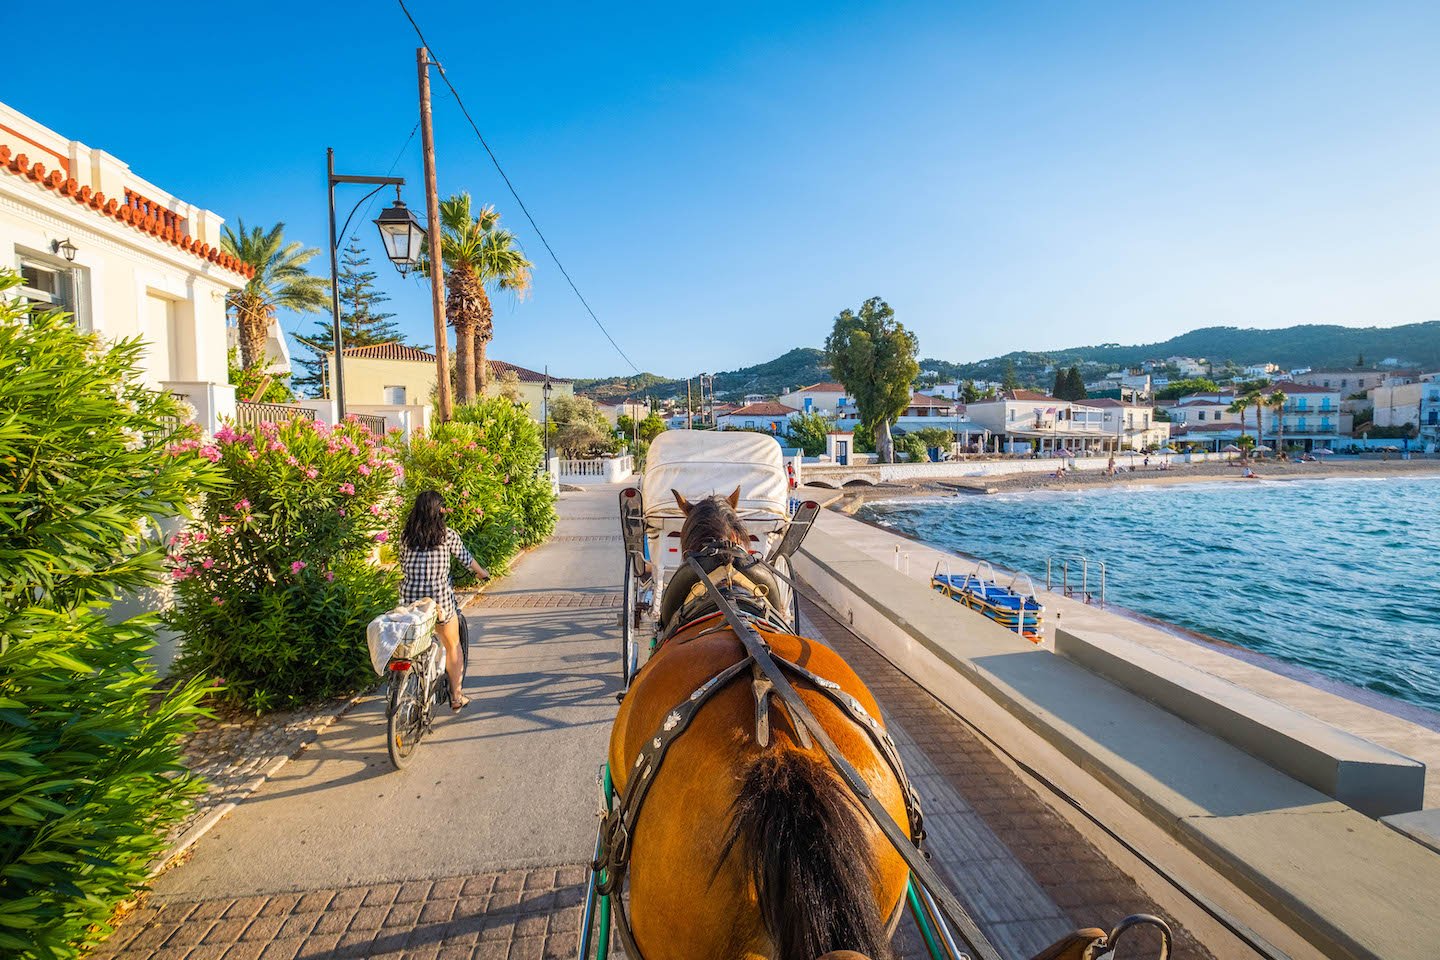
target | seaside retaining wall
[
  {"x": 1350, "y": 885},
  {"x": 893, "y": 472}
]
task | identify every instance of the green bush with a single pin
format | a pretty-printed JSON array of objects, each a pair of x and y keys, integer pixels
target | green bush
[
  {"x": 809, "y": 432},
  {"x": 488, "y": 462},
  {"x": 914, "y": 446},
  {"x": 90, "y": 763},
  {"x": 273, "y": 581}
]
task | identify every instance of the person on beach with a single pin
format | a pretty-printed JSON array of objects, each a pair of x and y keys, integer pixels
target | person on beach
[
  {"x": 1110, "y": 467},
  {"x": 426, "y": 546}
]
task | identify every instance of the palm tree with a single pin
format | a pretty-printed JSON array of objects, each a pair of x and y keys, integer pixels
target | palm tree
[
  {"x": 1277, "y": 403},
  {"x": 1240, "y": 405},
  {"x": 1255, "y": 399},
  {"x": 477, "y": 254},
  {"x": 280, "y": 280}
]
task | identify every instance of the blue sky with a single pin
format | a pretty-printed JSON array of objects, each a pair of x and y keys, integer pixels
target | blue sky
[{"x": 720, "y": 180}]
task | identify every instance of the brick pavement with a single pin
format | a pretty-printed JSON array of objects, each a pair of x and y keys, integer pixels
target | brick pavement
[{"x": 510, "y": 915}]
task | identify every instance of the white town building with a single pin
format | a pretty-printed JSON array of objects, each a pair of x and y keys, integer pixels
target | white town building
[
  {"x": 1416, "y": 404},
  {"x": 829, "y": 399},
  {"x": 127, "y": 258}
]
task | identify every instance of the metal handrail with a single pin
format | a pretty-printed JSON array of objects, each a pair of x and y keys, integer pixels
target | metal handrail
[{"x": 1066, "y": 586}]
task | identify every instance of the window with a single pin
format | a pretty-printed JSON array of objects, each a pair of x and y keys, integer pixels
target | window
[
  {"x": 1202, "y": 416},
  {"x": 55, "y": 283},
  {"x": 395, "y": 395}
]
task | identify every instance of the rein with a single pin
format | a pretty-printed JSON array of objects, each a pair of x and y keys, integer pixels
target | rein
[{"x": 919, "y": 864}]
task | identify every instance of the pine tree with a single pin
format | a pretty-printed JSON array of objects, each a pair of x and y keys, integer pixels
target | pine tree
[
  {"x": 360, "y": 323},
  {"x": 1077, "y": 385},
  {"x": 1061, "y": 390},
  {"x": 1009, "y": 380},
  {"x": 1360, "y": 362}
]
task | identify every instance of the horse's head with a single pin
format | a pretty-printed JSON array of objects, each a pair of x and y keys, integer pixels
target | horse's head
[{"x": 713, "y": 518}]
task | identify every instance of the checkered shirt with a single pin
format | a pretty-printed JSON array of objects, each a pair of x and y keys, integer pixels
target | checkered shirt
[{"x": 427, "y": 573}]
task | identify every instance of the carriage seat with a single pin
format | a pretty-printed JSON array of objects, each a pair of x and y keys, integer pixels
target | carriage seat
[{"x": 747, "y": 583}]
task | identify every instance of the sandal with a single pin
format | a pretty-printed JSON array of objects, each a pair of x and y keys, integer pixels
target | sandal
[{"x": 457, "y": 705}]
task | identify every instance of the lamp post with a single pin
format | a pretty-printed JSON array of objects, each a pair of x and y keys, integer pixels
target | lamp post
[
  {"x": 400, "y": 232},
  {"x": 545, "y": 416}
]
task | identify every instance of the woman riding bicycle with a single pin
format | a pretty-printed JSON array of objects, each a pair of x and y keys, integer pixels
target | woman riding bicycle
[{"x": 426, "y": 546}]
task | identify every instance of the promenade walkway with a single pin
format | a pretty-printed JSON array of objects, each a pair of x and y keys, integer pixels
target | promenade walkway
[{"x": 478, "y": 848}]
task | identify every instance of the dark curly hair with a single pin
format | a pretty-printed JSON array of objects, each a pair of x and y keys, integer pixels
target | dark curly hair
[{"x": 425, "y": 527}]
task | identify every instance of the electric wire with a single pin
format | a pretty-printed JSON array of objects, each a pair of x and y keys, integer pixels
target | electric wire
[
  {"x": 459, "y": 101},
  {"x": 1249, "y": 937}
]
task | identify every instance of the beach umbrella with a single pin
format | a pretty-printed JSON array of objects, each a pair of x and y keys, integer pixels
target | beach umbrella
[
  {"x": 1263, "y": 449},
  {"x": 1167, "y": 450},
  {"x": 1230, "y": 448},
  {"x": 1322, "y": 452}
]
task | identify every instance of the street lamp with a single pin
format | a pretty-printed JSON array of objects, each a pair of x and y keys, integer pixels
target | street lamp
[
  {"x": 404, "y": 257},
  {"x": 65, "y": 248},
  {"x": 402, "y": 233},
  {"x": 545, "y": 405}
]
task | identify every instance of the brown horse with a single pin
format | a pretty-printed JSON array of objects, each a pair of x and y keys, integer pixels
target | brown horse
[{"x": 744, "y": 851}]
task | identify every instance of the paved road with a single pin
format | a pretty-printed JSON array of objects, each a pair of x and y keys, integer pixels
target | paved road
[
  {"x": 477, "y": 849},
  {"x": 507, "y": 783}
]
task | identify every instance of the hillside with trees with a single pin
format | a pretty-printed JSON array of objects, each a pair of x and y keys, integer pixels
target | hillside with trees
[{"x": 799, "y": 367}]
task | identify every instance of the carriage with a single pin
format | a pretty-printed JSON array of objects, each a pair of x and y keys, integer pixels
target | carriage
[
  {"x": 696, "y": 464},
  {"x": 747, "y": 587}
]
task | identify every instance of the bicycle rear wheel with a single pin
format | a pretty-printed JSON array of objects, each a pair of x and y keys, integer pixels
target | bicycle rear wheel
[{"x": 405, "y": 724}]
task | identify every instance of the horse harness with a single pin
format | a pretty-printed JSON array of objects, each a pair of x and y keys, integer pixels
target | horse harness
[{"x": 770, "y": 681}]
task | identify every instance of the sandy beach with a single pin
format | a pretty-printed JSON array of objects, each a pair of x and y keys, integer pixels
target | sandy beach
[{"x": 1266, "y": 471}]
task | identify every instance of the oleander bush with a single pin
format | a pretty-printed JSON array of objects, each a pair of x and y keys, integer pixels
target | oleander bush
[
  {"x": 276, "y": 580},
  {"x": 487, "y": 461},
  {"x": 91, "y": 777}
]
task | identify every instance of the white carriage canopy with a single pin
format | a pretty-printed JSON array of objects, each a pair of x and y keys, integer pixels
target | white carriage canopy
[{"x": 699, "y": 463}]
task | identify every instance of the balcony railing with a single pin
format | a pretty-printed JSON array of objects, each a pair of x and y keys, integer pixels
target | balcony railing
[
  {"x": 253, "y": 414},
  {"x": 374, "y": 424}
]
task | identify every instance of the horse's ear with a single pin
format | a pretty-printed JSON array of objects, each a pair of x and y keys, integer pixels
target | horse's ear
[
  {"x": 734, "y": 499},
  {"x": 684, "y": 504}
]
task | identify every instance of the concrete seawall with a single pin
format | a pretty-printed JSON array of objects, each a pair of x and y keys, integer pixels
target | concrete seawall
[{"x": 1349, "y": 884}]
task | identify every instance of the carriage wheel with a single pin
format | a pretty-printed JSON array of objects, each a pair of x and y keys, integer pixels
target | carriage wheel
[{"x": 628, "y": 618}]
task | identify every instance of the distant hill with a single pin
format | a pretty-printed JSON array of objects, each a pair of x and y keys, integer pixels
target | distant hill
[
  {"x": 799, "y": 367},
  {"x": 1308, "y": 345}
]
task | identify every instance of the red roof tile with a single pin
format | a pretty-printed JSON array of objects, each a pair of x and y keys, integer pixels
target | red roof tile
[
  {"x": 137, "y": 211},
  {"x": 764, "y": 409},
  {"x": 391, "y": 351}
]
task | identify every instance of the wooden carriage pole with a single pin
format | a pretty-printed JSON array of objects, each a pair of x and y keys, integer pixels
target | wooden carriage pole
[{"x": 432, "y": 213}]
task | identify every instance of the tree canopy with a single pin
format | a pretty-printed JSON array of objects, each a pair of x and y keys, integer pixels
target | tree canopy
[
  {"x": 361, "y": 323},
  {"x": 873, "y": 355}
]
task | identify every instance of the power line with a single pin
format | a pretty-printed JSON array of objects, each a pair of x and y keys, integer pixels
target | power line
[{"x": 511, "y": 187}]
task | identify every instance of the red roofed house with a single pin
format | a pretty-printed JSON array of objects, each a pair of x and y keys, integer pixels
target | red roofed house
[
  {"x": 827, "y": 399},
  {"x": 89, "y": 236},
  {"x": 396, "y": 381},
  {"x": 767, "y": 415}
]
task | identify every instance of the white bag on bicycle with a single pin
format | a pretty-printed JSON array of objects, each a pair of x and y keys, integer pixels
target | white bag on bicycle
[{"x": 403, "y": 632}]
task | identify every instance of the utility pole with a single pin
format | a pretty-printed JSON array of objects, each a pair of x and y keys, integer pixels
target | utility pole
[
  {"x": 689, "y": 409},
  {"x": 432, "y": 213}
]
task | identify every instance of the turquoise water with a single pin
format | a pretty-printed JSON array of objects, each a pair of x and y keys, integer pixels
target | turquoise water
[{"x": 1340, "y": 576}]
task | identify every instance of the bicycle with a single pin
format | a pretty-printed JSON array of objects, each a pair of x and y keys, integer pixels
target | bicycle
[{"x": 418, "y": 684}]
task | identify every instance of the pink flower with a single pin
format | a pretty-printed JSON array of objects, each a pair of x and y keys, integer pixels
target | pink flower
[
  {"x": 348, "y": 489},
  {"x": 210, "y": 452},
  {"x": 217, "y": 601},
  {"x": 311, "y": 472},
  {"x": 297, "y": 566},
  {"x": 329, "y": 576},
  {"x": 375, "y": 509},
  {"x": 292, "y": 461},
  {"x": 381, "y": 537},
  {"x": 243, "y": 505},
  {"x": 341, "y": 511},
  {"x": 226, "y": 434},
  {"x": 364, "y": 469},
  {"x": 208, "y": 562},
  {"x": 395, "y": 468}
]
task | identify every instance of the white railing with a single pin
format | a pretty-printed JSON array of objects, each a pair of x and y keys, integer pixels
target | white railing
[{"x": 602, "y": 470}]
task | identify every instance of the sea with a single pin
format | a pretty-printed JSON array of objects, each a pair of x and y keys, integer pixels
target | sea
[{"x": 1339, "y": 575}]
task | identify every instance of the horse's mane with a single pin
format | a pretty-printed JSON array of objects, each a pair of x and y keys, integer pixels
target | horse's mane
[{"x": 713, "y": 518}]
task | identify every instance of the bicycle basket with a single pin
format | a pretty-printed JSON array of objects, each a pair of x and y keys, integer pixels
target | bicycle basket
[{"x": 405, "y": 632}]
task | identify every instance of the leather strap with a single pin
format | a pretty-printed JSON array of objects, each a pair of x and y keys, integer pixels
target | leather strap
[{"x": 926, "y": 874}]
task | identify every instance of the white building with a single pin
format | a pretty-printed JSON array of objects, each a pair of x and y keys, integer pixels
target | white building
[
  {"x": 1256, "y": 371},
  {"x": 1023, "y": 420},
  {"x": 1417, "y": 404},
  {"x": 1188, "y": 366},
  {"x": 828, "y": 399},
  {"x": 766, "y": 415},
  {"x": 124, "y": 256}
]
